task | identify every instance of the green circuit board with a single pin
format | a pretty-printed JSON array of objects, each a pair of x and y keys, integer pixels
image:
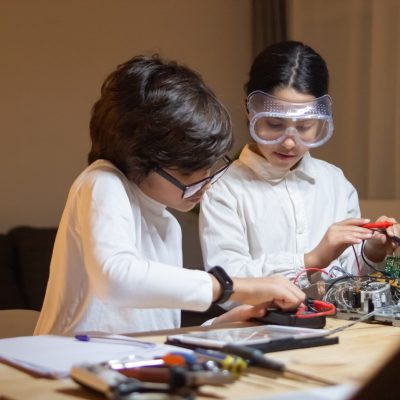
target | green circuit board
[{"x": 392, "y": 267}]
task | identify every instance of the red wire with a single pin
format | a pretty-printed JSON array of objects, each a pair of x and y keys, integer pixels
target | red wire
[
  {"x": 322, "y": 308},
  {"x": 358, "y": 263},
  {"x": 308, "y": 269}
]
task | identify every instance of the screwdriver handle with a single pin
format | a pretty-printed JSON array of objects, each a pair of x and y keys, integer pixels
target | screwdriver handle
[{"x": 255, "y": 357}]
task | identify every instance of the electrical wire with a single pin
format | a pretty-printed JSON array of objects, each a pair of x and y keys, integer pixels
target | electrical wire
[
  {"x": 308, "y": 269},
  {"x": 317, "y": 308},
  {"x": 343, "y": 291},
  {"x": 339, "y": 269},
  {"x": 368, "y": 264},
  {"x": 344, "y": 277},
  {"x": 339, "y": 291},
  {"x": 356, "y": 256}
]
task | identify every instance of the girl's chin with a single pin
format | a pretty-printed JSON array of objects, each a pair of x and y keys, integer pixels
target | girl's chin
[{"x": 186, "y": 206}]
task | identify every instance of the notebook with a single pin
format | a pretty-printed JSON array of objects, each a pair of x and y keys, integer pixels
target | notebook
[{"x": 53, "y": 356}]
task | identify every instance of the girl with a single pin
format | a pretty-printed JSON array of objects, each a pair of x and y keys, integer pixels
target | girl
[{"x": 278, "y": 210}]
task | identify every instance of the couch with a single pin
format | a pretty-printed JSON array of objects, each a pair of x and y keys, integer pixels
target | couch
[{"x": 25, "y": 254}]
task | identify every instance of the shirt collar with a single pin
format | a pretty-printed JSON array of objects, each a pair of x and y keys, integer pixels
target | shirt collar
[
  {"x": 271, "y": 173},
  {"x": 153, "y": 205}
]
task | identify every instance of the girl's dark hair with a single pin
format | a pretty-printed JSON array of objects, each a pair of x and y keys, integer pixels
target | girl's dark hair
[
  {"x": 289, "y": 64},
  {"x": 157, "y": 113}
]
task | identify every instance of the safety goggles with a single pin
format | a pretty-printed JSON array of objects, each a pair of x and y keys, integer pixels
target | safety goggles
[
  {"x": 218, "y": 169},
  {"x": 272, "y": 120}
]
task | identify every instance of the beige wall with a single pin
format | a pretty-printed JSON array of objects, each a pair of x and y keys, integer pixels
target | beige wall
[
  {"x": 360, "y": 40},
  {"x": 374, "y": 208},
  {"x": 55, "y": 55},
  {"x": 331, "y": 29}
]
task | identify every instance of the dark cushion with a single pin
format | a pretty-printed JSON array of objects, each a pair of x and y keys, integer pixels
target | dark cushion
[
  {"x": 34, "y": 247},
  {"x": 10, "y": 293}
]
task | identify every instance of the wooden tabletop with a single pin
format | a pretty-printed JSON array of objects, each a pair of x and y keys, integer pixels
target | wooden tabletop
[{"x": 361, "y": 350}]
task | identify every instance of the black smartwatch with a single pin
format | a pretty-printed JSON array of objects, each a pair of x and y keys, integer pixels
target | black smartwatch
[{"x": 226, "y": 284}]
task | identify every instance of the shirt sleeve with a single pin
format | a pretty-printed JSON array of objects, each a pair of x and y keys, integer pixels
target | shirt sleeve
[
  {"x": 224, "y": 241},
  {"x": 351, "y": 260},
  {"x": 117, "y": 271}
]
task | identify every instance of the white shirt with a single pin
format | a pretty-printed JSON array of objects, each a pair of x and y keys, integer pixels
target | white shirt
[
  {"x": 115, "y": 264},
  {"x": 259, "y": 220}
]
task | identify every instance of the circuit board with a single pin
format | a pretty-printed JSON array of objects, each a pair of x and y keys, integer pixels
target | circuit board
[{"x": 379, "y": 292}]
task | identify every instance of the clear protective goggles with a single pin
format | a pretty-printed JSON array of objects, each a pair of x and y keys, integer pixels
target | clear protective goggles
[{"x": 272, "y": 120}]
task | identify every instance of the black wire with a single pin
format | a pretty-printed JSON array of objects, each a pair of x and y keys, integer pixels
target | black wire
[
  {"x": 369, "y": 265},
  {"x": 341, "y": 278},
  {"x": 348, "y": 276},
  {"x": 393, "y": 238}
]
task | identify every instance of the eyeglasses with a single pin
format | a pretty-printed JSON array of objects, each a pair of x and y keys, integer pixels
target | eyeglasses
[{"x": 193, "y": 188}]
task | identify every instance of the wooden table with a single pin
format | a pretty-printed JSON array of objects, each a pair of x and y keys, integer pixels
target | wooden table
[{"x": 361, "y": 350}]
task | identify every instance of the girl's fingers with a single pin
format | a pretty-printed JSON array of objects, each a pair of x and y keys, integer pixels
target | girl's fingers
[{"x": 354, "y": 222}]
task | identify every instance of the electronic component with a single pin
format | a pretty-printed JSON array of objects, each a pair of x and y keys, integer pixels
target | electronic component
[
  {"x": 311, "y": 315},
  {"x": 289, "y": 318},
  {"x": 392, "y": 267},
  {"x": 390, "y": 314},
  {"x": 354, "y": 296}
]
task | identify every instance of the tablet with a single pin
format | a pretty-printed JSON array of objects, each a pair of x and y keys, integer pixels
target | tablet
[{"x": 265, "y": 337}]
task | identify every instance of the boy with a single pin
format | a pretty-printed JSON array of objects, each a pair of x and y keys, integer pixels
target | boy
[{"x": 159, "y": 139}]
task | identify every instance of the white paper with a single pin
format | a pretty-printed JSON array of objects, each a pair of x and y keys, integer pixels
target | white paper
[{"x": 54, "y": 356}]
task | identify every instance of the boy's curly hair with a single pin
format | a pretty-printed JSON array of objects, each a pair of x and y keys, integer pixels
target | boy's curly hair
[{"x": 157, "y": 113}]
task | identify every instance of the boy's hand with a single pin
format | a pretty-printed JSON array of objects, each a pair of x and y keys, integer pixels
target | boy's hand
[
  {"x": 270, "y": 291},
  {"x": 379, "y": 245},
  {"x": 337, "y": 238}
]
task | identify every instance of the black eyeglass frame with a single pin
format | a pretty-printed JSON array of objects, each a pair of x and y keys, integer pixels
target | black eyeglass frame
[{"x": 201, "y": 182}]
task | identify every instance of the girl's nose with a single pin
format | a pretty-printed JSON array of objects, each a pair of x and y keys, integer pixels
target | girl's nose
[{"x": 289, "y": 142}]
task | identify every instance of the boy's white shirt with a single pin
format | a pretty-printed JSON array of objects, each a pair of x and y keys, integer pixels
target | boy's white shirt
[
  {"x": 258, "y": 220},
  {"x": 116, "y": 260}
]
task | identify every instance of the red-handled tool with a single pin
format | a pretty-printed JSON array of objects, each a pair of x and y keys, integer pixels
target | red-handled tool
[
  {"x": 315, "y": 308},
  {"x": 378, "y": 225}
]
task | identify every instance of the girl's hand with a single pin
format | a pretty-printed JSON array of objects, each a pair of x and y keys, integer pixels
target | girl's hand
[
  {"x": 380, "y": 244},
  {"x": 337, "y": 238}
]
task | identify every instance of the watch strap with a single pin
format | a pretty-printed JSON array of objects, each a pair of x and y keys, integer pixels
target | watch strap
[{"x": 226, "y": 283}]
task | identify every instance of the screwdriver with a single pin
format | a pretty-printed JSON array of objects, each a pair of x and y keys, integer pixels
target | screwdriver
[
  {"x": 258, "y": 359},
  {"x": 236, "y": 365}
]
